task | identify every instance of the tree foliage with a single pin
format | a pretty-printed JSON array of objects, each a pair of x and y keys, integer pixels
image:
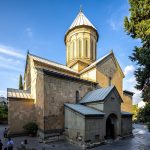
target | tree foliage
[
  {"x": 138, "y": 26},
  {"x": 20, "y": 83},
  {"x": 144, "y": 114},
  {"x": 135, "y": 110},
  {"x": 3, "y": 112}
]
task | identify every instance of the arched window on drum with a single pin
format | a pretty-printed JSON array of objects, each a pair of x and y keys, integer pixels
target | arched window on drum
[
  {"x": 77, "y": 96},
  {"x": 80, "y": 47}
]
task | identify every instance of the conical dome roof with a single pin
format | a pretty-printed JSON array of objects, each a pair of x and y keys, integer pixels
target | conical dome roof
[{"x": 80, "y": 20}]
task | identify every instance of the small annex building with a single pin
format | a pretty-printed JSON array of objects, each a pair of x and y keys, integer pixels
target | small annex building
[
  {"x": 83, "y": 99},
  {"x": 97, "y": 117}
]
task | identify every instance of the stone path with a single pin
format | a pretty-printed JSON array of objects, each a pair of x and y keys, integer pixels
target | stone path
[{"x": 140, "y": 141}]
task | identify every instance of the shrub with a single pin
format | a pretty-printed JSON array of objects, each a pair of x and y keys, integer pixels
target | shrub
[
  {"x": 3, "y": 112},
  {"x": 31, "y": 128}
]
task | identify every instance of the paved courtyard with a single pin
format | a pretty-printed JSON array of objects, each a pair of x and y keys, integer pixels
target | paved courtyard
[{"x": 140, "y": 141}]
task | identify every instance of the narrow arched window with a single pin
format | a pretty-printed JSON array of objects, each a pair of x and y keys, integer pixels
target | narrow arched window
[
  {"x": 68, "y": 53},
  {"x": 91, "y": 50},
  {"x": 74, "y": 54},
  {"x": 86, "y": 48},
  {"x": 73, "y": 49},
  {"x": 80, "y": 48},
  {"x": 77, "y": 96},
  {"x": 109, "y": 81}
]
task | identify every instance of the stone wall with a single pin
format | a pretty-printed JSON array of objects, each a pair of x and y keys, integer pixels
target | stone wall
[
  {"x": 127, "y": 103},
  {"x": 57, "y": 92},
  {"x": 74, "y": 125},
  {"x": 94, "y": 129},
  {"x": 20, "y": 112},
  {"x": 106, "y": 70},
  {"x": 126, "y": 125},
  {"x": 39, "y": 101}
]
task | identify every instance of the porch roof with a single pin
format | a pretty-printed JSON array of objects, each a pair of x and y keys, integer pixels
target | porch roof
[
  {"x": 15, "y": 93},
  {"x": 84, "y": 110}
]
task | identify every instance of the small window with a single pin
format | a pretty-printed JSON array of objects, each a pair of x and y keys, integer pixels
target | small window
[
  {"x": 109, "y": 81},
  {"x": 77, "y": 96},
  {"x": 112, "y": 98}
]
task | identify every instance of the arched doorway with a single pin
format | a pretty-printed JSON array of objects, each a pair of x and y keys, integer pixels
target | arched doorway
[{"x": 111, "y": 126}]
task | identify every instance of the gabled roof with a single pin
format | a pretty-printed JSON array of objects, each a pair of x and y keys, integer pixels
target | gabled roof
[
  {"x": 50, "y": 63},
  {"x": 123, "y": 113},
  {"x": 84, "y": 110},
  {"x": 101, "y": 60},
  {"x": 21, "y": 94},
  {"x": 128, "y": 92},
  {"x": 97, "y": 95},
  {"x": 3, "y": 99},
  {"x": 81, "y": 19}
]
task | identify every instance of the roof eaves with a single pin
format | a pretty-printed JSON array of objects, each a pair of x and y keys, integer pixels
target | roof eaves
[
  {"x": 48, "y": 72},
  {"x": 53, "y": 64},
  {"x": 128, "y": 92},
  {"x": 87, "y": 115}
]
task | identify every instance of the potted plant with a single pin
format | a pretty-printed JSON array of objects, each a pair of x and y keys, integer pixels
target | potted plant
[{"x": 31, "y": 128}]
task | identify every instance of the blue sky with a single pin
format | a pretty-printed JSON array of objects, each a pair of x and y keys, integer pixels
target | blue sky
[{"x": 40, "y": 25}]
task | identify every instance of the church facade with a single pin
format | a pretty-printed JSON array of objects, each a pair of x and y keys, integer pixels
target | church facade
[{"x": 84, "y": 98}]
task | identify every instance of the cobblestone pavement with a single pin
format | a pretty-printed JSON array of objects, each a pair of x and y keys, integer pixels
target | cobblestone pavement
[{"x": 140, "y": 141}]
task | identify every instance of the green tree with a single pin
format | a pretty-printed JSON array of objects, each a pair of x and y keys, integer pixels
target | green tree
[
  {"x": 135, "y": 110},
  {"x": 138, "y": 26},
  {"x": 20, "y": 83},
  {"x": 144, "y": 114}
]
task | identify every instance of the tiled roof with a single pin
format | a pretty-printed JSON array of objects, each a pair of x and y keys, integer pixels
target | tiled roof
[
  {"x": 15, "y": 93},
  {"x": 81, "y": 19},
  {"x": 3, "y": 99},
  {"x": 123, "y": 113},
  {"x": 48, "y": 62},
  {"x": 96, "y": 95},
  {"x": 84, "y": 110}
]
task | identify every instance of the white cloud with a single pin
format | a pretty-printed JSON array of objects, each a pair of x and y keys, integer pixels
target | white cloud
[
  {"x": 137, "y": 96},
  {"x": 129, "y": 69},
  {"x": 29, "y": 32},
  {"x": 113, "y": 25},
  {"x": 11, "y": 63},
  {"x": 3, "y": 93},
  {"x": 129, "y": 84},
  {"x": 10, "y": 67},
  {"x": 131, "y": 80},
  {"x": 11, "y": 51}
]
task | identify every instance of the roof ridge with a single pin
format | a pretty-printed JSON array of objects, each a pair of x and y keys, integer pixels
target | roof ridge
[
  {"x": 47, "y": 59},
  {"x": 54, "y": 63},
  {"x": 97, "y": 61},
  {"x": 100, "y": 93}
]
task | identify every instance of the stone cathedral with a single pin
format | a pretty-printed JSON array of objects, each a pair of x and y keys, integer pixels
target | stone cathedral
[{"x": 84, "y": 99}]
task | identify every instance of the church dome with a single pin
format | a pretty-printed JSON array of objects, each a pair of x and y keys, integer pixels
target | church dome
[
  {"x": 81, "y": 43},
  {"x": 81, "y": 21}
]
